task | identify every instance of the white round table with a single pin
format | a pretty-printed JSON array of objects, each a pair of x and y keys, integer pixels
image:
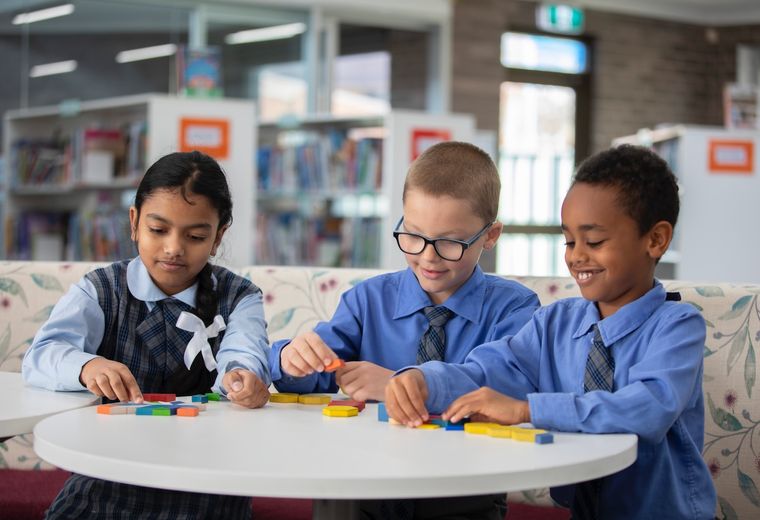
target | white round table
[
  {"x": 24, "y": 406},
  {"x": 289, "y": 450}
]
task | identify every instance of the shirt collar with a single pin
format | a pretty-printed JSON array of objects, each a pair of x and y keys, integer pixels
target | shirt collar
[
  {"x": 627, "y": 319},
  {"x": 143, "y": 288},
  {"x": 466, "y": 302}
]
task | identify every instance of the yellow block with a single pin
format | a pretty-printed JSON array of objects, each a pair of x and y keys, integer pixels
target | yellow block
[
  {"x": 391, "y": 420},
  {"x": 525, "y": 434},
  {"x": 314, "y": 399},
  {"x": 283, "y": 398},
  {"x": 428, "y": 426},
  {"x": 478, "y": 428},
  {"x": 340, "y": 411},
  {"x": 500, "y": 431}
]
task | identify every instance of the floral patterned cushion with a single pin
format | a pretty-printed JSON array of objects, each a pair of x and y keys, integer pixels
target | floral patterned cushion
[{"x": 296, "y": 298}]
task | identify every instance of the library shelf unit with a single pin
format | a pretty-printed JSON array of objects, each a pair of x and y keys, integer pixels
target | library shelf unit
[
  {"x": 329, "y": 189},
  {"x": 718, "y": 173},
  {"x": 71, "y": 171}
]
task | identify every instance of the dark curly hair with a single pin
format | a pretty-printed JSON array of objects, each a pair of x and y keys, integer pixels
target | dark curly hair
[{"x": 647, "y": 187}]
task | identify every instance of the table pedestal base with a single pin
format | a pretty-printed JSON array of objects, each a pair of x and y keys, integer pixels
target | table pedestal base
[{"x": 335, "y": 510}]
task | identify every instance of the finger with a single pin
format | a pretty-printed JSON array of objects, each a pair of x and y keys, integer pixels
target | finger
[
  {"x": 114, "y": 378},
  {"x": 347, "y": 377},
  {"x": 105, "y": 386},
  {"x": 416, "y": 389},
  {"x": 235, "y": 380},
  {"x": 93, "y": 387},
  {"x": 320, "y": 348},
  {"x": 456, "y": 411},
  {"x": 311, "y": 357},
  {"x": 133, "y": 389},
  {"x": 408, "y": 406}
]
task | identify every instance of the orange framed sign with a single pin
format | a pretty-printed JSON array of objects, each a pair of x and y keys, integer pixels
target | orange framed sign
[
  {"x": 210, "y": 136},
  {"x": 731, "y": 156},
  {"x": 424, "y": 138}
]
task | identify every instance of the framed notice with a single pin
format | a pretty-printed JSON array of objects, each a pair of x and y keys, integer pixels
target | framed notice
[
  {"x": 731, "y": 156},
  {"x": 424, "y": 138},
  {"x": 210, "y": 136}
]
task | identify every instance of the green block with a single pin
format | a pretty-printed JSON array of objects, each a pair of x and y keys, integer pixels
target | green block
[{"x": 213, "y": 396}]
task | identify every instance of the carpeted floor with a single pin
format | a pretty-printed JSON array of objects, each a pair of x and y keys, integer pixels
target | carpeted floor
[{"x": 24, "y": 495}]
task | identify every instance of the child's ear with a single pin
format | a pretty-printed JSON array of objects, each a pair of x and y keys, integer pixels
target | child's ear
[
  {"x": 133, "y": 223},
  {"x": 218, "y": 239},
  {"x": 492, "y": 235},
  {"x": 658, "y": 239}
]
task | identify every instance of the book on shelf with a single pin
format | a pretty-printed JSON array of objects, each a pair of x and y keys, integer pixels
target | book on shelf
[
  {"x": 39, "y": 161},
  {"x": 741, "y": 106}
]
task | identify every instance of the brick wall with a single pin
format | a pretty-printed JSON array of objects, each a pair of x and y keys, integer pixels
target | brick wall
[{"x": 646, "y": 71}]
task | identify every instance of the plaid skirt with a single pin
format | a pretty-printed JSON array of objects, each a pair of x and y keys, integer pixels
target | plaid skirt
[{"x": 86, "y": 497}]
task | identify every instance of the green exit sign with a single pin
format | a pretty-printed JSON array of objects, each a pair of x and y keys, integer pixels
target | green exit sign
[{"x": 563, "y": 19}]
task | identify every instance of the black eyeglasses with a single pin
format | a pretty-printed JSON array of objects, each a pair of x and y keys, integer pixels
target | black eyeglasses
[{"x": 447, "y": 248}]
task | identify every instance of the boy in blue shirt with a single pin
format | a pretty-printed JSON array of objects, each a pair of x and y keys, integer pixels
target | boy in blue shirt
[
  {"x": 621, "y": 359},
  {"x": 441, "y": 307}
]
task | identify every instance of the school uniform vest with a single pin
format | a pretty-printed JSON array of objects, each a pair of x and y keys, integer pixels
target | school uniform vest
[
  {"x": 149, "y": 342},
  {"x": 152, "y": 346}
]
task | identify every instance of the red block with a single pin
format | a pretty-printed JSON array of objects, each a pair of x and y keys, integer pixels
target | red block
[
  {"x": 347, "y": 402},
  {"x": 160, "y": 397},
  {"x": 335, "y": 365}
]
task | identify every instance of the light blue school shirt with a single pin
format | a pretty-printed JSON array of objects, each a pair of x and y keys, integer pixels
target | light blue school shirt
[
  {"x": 657, "y": 346},
  {"x": 381, "y": 320},
  {"x": 73, "y": 333}
]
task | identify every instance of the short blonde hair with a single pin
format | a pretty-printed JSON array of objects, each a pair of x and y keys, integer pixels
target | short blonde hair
[{"x": 461, "y": 171}]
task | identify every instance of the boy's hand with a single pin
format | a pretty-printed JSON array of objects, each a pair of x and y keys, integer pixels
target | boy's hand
[
  {"x": 111, "y": 379},
  {"x": 485, "y": 404},
  {"x": 245, "y": 388},
  {"x": 405, "y": 397},
  {"x": 363, "y": 380},
  {"x": 306, "y": 354}
]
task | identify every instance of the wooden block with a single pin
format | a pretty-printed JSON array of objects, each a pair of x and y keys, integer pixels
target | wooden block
[
  {"x": 428, "y": 426},
  {"x": 340, "y": 411},
  {"x": 478, "y": 428},
  {"x": 456, "y": 426},
  {"x": 213, "y": 396},
  {"x": 200, "y": 398},
  {"x": 335, "y": 365},
  {"x": 282, "y": 397},
  {"x": 544, "y": 438},
  {"x": 157, "y": 409},
  {"x": 314, "y": 399},
  {"x": 499, "y": 431},
  {"x": 382, "y": 413},
  {"x": 187, "y": 411},
  {"x": 347, "y": 402},
  {"x": 109, "y": 409},
  {"x": 437, "y": 421},
  {"x": 525, "y": 434},
  {"x": 160, "y": 397}
]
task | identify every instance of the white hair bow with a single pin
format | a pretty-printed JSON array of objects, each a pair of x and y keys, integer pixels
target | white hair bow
[{"x": 201, "y": 334}]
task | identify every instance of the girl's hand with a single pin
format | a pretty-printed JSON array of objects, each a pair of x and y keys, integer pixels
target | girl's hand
[
  {"x": 363, "y": 380},
  {"x": 306, "y": 354},
  {"x": 488, "y": 405},
  {"x": 110, "y": 379},
  {"x": 405, "y": 397},
  {"x": 245, "y": 388}
]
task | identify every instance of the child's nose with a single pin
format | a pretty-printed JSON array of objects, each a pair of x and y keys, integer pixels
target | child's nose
[
  {"x": 173, "y": 246},
  {"x": 429, "y": 253}
]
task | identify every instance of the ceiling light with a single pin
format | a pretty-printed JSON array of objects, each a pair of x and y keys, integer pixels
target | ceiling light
[
  {"x": 276, "y": 32},
  {"x": 43, "y": 14},
  {"x": 48, "y": 69},
  {"x": 146, "y": 53}
]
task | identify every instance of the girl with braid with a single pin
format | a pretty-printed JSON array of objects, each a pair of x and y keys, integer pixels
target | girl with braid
[{"x": 123, "y": 330}]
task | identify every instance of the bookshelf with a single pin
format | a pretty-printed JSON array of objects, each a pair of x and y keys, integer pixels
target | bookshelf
[
  {"x": 71, "y": 171},
  {"x": 329, "y": 189},
  {"x": 718, "y": 173}
]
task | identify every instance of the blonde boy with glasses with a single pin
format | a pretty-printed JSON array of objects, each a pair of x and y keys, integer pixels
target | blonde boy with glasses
[{"x": 439, "y": 308}]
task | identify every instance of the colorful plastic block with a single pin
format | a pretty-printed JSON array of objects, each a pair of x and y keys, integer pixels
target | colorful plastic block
[
  {"x": 478, "y": 428},
  {"x": 213, "y": 396},
  {"x": 200, "y": 398},
  {"x": 335, "y": 365},
  {"x": 283, "y": 398},
  {"x": 456, "y": 426},
  {"x": 502, "y": 432},
  {"x": 119, "y": 408},
  {"x": 160, "y": 397},
  {"x": 526, "y": 435},
  {"x": 157, "y": 410},
  {"x": 314, "y": 399},
  {"x": 340, "y": 411},
  {"x": 544, "y": 438},
  {"x": 429, "y": 426},
  {"x": 437, "y": 421},
  {"x": 347, "y": 402},
  {"x": 188, "y": 411},
  {"x": 382, "y": 413}
]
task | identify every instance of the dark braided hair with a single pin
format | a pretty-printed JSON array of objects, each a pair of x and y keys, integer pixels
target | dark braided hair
[
  {"x": 192, "y": 172},
  {"x": 647, "y": 187}
]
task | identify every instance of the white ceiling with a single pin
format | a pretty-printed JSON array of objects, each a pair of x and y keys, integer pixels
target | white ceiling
[{"x": 702, "y": 12}]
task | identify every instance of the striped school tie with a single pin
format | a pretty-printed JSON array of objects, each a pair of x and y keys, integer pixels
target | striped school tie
[
  {"x": 600, "y": 369},
  {"x": 433, "y": 343}
]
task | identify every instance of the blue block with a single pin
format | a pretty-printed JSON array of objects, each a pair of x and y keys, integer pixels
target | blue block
[
  {"x": 200, "y": 398},
  {"x": 455, "y": 426},
  {"x": 382, "y": 413},
  {"x": 544, "y": 438}
]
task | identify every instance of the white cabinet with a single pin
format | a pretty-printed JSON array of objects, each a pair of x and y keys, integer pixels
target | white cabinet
[
  {"x": 71, "y": 170},
  {"x": 329, "y": 189},
  {"x": 718, "y": 174}
]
